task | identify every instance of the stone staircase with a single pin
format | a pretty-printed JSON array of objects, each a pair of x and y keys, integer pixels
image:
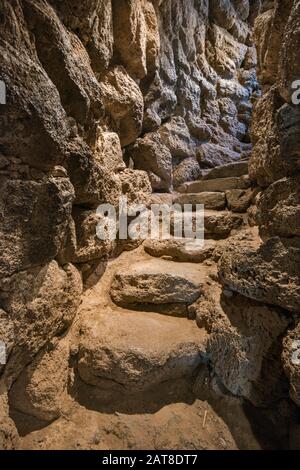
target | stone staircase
[{"x": 135, "y": 330}]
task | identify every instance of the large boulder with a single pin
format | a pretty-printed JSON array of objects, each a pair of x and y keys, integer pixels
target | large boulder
[
  {"x": 130, "y": 36},
  {"x": 9, "y": 438},
  {"x": 270, "y": 274},
  {"x": 34, "y": 220},
  {"x": 278, "y": 212},
  {"x": 156, "y": 283},
  {"x": 244, "y": 344},
  {"x": 41, "y": 303},
  {"x": 187, "y": 251},
  {"x": 124, "y": 102},
  {"x": 92, "y": 21},
  {"x": 117, "y": 351},
  {"x": 39, "y": 389},
  {"x": 266, "y": 164},
  {"x": 94, "y": 184}
]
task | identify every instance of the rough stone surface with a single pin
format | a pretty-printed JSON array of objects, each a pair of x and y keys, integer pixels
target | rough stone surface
[
  {"x": 219, "y": 225},
  {"x": 226, "y": 171},
  {"x": 156, "y": 282},
  {"x": 33, "y": 222},
  {"x": 9, "y": 439},
  {"x": 239, "y": 200},
  {"x": 244, "y": 344},
  {"x": 117, "y": 98},
  {"x": 39, "y": 389},
  {"x": 117, "y": 350},
  {"x": 123, "y": 101},
  {"x": 279, "y": 209},
  {"x": 181, "y": 250},
  {"x": 219, "y": 184},
  {"x": 211, "y": 200},
  {"x": 41, "y": 303},
  {"x": 270, "y": 274}
]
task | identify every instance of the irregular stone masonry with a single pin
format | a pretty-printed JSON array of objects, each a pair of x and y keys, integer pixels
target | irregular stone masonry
[{"x": 152, "y": 100}]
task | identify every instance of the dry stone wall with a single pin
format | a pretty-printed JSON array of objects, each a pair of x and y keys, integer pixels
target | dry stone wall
[
  {"x": 271, "y": 274},
  {"x": 125, "y": 97}
]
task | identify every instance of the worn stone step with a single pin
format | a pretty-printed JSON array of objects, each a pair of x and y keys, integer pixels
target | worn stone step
[
  {"x": 215, "y": 185},
  {"x": 235, "y": 169},
  {"x": 133, "y": 351},
  {"x": 158, "y": 284},
  {"x": 217, "y": 224},
  {"x": 181, "y": 250},
  {"x": 211, "y": 200}
]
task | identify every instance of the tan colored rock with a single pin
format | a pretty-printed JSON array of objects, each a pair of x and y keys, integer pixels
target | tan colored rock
[
  {"x": 152, "y": 37},
  {"x": 287, "y": 17},
  {"x": 88, "y": 246},
  {"x": 116, "y": 350},
  {"x": 93, "y": 183},
  {"x": 288, "y": 120},
  {"x": 235, "y": 169},
  {"x": 270, "y": 35},
  {"x": 244, "y": 344},
  {"x": 223, "y": 13},
  {"x": 239, "y": 200},
  {"x": 151, "y": 155},
  {"x": 34, "y": 103},
  {"x": 242, "y": 8},
  {"x": 42, "y": 303},
  {"x": 181, "y": 250},
  {"x": 187, "y": 170},
  {"x": 39, "y": 389},
  {"x": 278, "y": 210},
  {"x": 66, "y": 62},
  {"x": 228, "y": 53},
  {"x": 9, "y": 439},
  {"x": 266, "y": 164},
  {"x": 214, "y": 155},
  {"x": 213, "y": 185},
  {"x": 123, "y": 101},
  {"x": 270, "y": 274},
  {"x": 136, "y": 186},
  {"x": 35, "y": 217},
  {"x": 218, "y": 225},
  {"x": 108, "y": 151},
  {"x": 211, "y": 200},
  {"x": 246, "y": 355},
  {"x": 156, "y": 282},
  {"x": 92, "y": 21},
  {"x": 130, "y": 35}
]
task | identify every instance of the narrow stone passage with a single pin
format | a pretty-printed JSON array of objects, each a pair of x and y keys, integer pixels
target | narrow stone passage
[
  {"x": 141, "y": 349},
  {"x": 149, "y": 343}
]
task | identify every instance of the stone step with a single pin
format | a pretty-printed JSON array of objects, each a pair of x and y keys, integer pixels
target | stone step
[
  {"x": 215, "y": 185},
  {"x": 130, "y": 351},
  {"x": 158, "y": 285},
  {"x": 217, "y": 224},
  {"x": 186, "y": 251},
  {"x": 211, "y": 200},
  {"x": 235, "y": 169}
]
